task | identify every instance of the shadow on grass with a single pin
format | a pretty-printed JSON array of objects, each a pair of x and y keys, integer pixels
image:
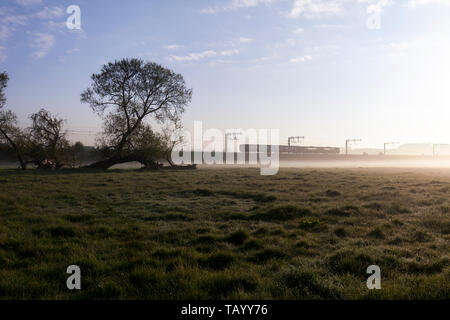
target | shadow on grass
[{"x": 76, "y": 171}]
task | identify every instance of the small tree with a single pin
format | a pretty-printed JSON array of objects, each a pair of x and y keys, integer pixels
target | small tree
[
  {"x": 126, "y": 94},
  {"x": 172, "y": 136},
  {"x": 47, "y": 142},
  {"x": 10, "y": 132}
]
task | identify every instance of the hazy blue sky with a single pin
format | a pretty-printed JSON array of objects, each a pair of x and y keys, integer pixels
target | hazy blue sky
[{"x": 307, "y": 67}]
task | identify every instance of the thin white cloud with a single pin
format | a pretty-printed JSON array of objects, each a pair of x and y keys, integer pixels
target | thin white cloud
[
  {"x": 264, "y": 58},
  {"x": 329, "y": 26},
  {"x": 50, "y": 13},
  {"x": 14, "y": 19},
  {"x": 9, "y": 22},
  {"x": 209, "y": 10},
  {"x": 298, "y": 31},
  {"x": 173, "y": 46},
  {"x": 322, "y": 51},
  {"x": 311, "y": 8},
  {"x": 301, "y": 59},
  {"x": 59, "y": 26},
  {"x": 291, "y": 42},
  {"x": 28, "y": 2},
  {"x": 316, "y": 53},
  {"x": 418, "y": 45},
  {"x": 286, "y": 43},
  {"x": 229, "y": 52},
  {"x": 245, "y": 40},
  {"x": 203, "y": 55},
  {"x": 417, "y": 3},
  {"x": 235, "y": 5},
  {"x": 42, "y": 43},
  {"x": 5, "y": 32},
  {"x": 194, "y": 56},
  {"x": 319, "y": 8}
]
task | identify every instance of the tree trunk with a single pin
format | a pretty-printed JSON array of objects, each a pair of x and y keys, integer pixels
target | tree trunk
[
  {"x": 108, "y": 163},
  {"x": 169, "y": 160},
  {"x": 23, "y": 164},
  {"x": 105, "y": 164}
]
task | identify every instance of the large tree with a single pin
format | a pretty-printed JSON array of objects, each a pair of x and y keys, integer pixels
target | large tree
[
  {"x": 10, "y": 133},
  {"x": 127, "y": 94}
]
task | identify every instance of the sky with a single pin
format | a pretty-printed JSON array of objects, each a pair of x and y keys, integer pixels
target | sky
[{"x": 328, "y": 70}]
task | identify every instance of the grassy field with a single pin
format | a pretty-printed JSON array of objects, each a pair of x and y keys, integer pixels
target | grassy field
[{"x": 225, "y": 233}]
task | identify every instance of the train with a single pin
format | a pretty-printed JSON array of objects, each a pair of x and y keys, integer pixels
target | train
[{"x": 256, "y": 148}]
